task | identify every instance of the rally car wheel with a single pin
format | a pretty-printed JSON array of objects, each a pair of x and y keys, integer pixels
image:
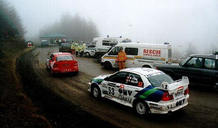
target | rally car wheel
[
  {"x": 141, "y": 108},
  {"x": 96, "y": 92}
]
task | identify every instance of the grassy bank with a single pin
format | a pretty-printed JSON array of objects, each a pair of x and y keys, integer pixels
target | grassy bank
[{"x": 16, "y": 109}]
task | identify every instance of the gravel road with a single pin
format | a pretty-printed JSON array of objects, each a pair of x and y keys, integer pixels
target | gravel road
[{"x": 202, "y": 111}]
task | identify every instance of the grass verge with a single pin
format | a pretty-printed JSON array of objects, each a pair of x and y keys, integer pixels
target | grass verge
[{"x": 16, "y": 109}]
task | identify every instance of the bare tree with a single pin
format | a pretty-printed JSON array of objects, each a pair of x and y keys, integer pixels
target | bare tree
[
  {"x": 74, "y": 27},
  {"x": 10, "y": 23}
]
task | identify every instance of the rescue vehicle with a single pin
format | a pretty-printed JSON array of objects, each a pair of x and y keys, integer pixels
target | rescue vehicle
[
  {"x": 139, "y": 55},
  {"x": 62, "y": 62},
  {"x": 144, "y": 89},
  {"x": 102, "y": 44}
]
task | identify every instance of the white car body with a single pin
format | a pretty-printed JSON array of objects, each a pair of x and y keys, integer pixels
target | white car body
[{"x": 132, "y": 90}]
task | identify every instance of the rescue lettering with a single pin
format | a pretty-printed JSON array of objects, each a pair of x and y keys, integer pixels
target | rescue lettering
[{"x": 151, "y": 52}]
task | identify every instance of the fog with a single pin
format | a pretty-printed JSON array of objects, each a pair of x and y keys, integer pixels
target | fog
[{"x": 182, "y": 23}]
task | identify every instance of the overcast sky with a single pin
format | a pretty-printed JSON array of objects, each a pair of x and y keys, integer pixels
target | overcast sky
[{"x": 154, "y": 21}]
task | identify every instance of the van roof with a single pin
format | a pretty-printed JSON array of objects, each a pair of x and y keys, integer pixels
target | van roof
[
  {"x": 110, "y": 38},
  {"x": 135, "y": 44}
]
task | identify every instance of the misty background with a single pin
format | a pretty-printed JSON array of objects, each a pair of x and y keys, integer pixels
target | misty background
[{"x": 189, "y": 25}]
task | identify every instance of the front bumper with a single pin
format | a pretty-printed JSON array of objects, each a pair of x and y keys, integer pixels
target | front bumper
[{"x": 166, "y": 107}]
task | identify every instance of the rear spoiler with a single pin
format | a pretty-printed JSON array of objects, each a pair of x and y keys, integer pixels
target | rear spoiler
[{"x": 170, "y": 87}]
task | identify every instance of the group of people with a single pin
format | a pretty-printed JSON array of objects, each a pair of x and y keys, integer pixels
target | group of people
[{"x": 78, "y": 49}]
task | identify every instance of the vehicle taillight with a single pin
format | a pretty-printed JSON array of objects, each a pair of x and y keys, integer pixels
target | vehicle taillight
[
  {"x": 166, "y": 96},
  {"x": 75, "y": 64},
  {"x": 186, "y": 91}
]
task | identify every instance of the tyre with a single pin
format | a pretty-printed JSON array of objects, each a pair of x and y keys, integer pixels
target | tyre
[
  {"x": 107, "y": 65},
  {"x": 95, "y": 91},
  {"x": 141, "y": 108}
]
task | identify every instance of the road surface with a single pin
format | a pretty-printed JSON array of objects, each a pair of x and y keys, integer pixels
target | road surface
[{"x": 201, "y": 112}]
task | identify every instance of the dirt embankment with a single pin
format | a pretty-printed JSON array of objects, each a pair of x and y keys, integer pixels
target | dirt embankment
[
  {"x": 16, "y": 109},
  {"x": 59, "y": 112}
]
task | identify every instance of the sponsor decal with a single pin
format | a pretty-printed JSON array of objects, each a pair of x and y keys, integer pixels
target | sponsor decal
[
  {"x": 97, "y": 80},
  {"x": 122, "y": 86},
  {"x": 112, "y": 85},
  {"x": 150, "y": 94},
  {"x": 124, "y": 92},
  {"x": 125, "y": 98},
  {"x": 151, "y": 52},
  {"x": 111, "y": 91},
  {"x": 105, "y": 92},
  {"x": 181, "y": 102},
  {"x": 180, "y": 88},
  {"x": 124, "y": 95},
  {"x": 140, "y": 84}
]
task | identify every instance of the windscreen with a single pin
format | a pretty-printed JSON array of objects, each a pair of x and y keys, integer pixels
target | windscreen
[
  {"x": 157, "y": 79},
  {"x": 185, "y": 60},
  {"x": 61, "y": 58}
]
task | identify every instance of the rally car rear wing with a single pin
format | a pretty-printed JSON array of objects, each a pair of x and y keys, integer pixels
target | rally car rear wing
[{"x": 182, "y": 83}]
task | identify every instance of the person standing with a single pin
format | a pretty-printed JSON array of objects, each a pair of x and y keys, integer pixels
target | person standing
[
  {"x": 82, "y": 49},
  {"x": 121, "y": 58},
  {"x": 77, "y": 49},
  {"x": 73, "y": 48}
]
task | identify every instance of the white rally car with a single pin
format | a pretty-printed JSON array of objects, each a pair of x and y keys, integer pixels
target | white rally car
[{"x": 144, "y": 89}]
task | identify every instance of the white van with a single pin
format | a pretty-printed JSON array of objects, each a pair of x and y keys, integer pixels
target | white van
[
  {"x": 102, "y": 44},
  {"x": 139, "y": 55}
]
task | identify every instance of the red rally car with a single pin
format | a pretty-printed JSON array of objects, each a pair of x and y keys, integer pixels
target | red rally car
[{"x": 62, "y": 62}]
